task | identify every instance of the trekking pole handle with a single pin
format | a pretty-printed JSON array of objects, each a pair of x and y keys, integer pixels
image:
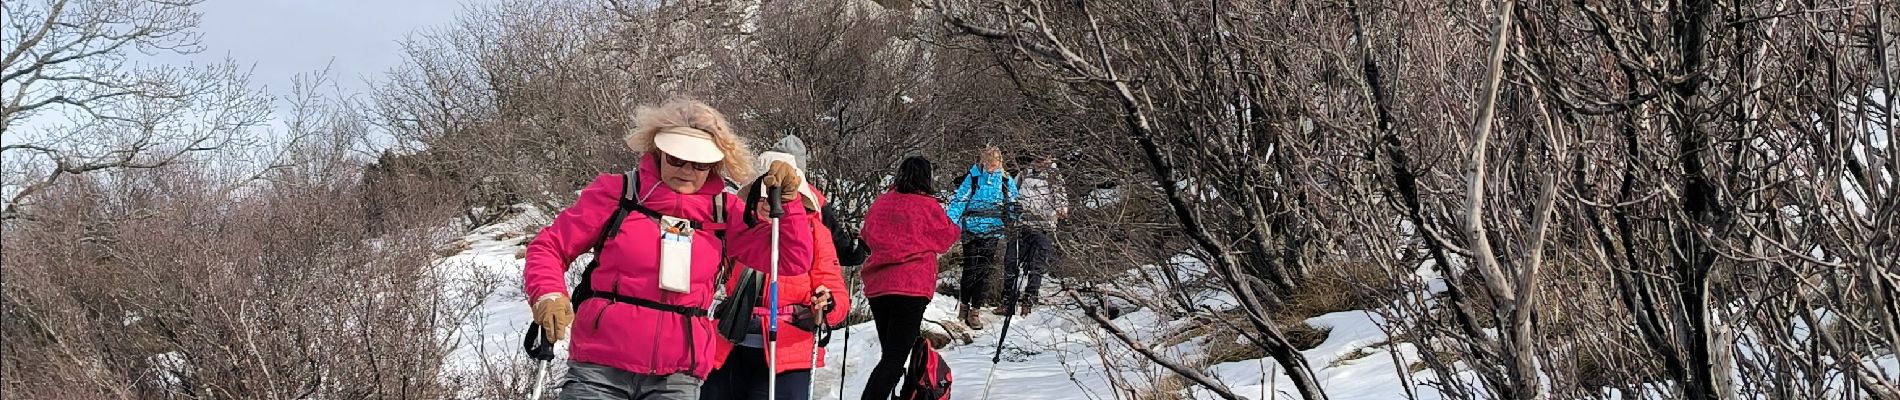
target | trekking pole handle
[
  {"x": 772, "y": 196},
  {"x": 537, "y": 344}
]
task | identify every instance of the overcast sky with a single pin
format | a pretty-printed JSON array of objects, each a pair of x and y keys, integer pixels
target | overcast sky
[
  {"x": 278, "y": 39},
  {"x": 360, "y": 39}
]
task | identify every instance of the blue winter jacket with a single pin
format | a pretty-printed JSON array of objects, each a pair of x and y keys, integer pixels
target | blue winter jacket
[{"x": 981, "y": 201}]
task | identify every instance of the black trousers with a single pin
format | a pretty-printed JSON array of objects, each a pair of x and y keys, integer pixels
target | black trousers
[
  {"x": 1029, "y": 253},
  {"x": 743, "y": 378},
  {"x": 898, "y": 320},
  {"x": 979, "y": 263}
]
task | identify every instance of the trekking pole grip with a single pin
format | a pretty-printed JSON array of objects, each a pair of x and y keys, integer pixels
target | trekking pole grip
[
  {"x": 537, "y": 344},
  {"x": 772, "y": 196}
]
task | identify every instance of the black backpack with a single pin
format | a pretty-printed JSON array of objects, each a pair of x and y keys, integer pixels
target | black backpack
[
  {"x": 965, "y": 177},
  {"x": 928, "y": 377},
  {"x": 1008, "y": 207}
]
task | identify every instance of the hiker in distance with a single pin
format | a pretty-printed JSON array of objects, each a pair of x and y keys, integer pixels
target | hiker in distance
[
  {"x": 979, "y": 205},
  {"x": 1043, "y": 205},
  {"x": 906, "y": 230},
  {"x": 658, "y": 235},
  {"x": 740, "y": 361}
]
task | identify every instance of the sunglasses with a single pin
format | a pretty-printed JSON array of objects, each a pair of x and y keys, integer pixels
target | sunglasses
[{"x": 678, "y": 163}]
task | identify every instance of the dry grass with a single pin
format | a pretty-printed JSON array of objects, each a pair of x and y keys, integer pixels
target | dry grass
[
  {"x": 1305, "y": 337},
  {"x": 452, "y": 248},
  {"x": 1227, "y": 346},
  {"x": 1355, "y": 354},
  {"x": 1168, "y": 387},
  {"x": 1442, "y": 355},
  {"x": 1340, "y": 287},
  {"x": 1207, "y": 329}
]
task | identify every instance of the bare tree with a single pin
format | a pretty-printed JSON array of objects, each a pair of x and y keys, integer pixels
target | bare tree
[
  {"x": 77, "y": 100},
  {"x": 1219, "y": 132},
  {"x": 160, "y": 283},
  {"x": 1675, "y": 137}
]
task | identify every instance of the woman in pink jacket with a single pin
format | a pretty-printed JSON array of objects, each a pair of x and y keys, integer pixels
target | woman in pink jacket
[
  {"x": 641, "y": 330},
  {"x": 906, "y": 229},
  {"x": 741, "y": 371}
]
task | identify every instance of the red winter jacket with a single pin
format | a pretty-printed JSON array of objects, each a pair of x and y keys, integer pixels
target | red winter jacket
[
  {"x": 905, "y": 232},
  {"x": 794, "y": 345},
  {"x": 638, "y": 339}
]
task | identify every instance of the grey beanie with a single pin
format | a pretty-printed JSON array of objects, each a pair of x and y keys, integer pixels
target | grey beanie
[{"x": 791, "y": 144}]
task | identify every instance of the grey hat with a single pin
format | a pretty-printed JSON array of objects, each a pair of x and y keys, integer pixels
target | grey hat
[{"x": 791, "y": 144}]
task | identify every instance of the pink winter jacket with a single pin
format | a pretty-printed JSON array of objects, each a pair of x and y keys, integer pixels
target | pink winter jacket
[
  {"x": 905, "y": 232},
  {"x": 638, "y": 339}
]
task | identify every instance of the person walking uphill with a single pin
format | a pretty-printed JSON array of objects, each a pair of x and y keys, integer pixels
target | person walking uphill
[
  {"x": 658, "y": 234},
  {"x": 981, "y": 203},
  {"x": 1044, "y": 205},
  {"x": 740, "y": 370},
  {"x": 906, "y": 230}
]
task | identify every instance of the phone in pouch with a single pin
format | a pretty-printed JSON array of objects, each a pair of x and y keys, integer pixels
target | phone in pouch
[{"x": 676, "y": 254}]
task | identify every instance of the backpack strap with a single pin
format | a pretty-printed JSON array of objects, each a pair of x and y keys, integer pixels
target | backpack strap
[
  {"x": 1009, "y": 196},
  {"x": 719, "y": 218},
  {"x": 630, "y": 202},
  {"x": 1009, "y": 180},
  {"x": 629, "y": 199},
  {"x": 719, "y": 213}
]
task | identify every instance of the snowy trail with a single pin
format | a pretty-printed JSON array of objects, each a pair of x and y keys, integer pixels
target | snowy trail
[
  {"x": 1044, "y": 359},
  {"x": 491, "y": 336},
  {"x": 1055, "y": 353},
  {"x": 1052, "y": 355}
]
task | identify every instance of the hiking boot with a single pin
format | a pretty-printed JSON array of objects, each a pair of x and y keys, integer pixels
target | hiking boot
[
  {"x": 1000, "y": 311},
  {"x": 1023, "y": 310},
  {"x": 970, "y": 318}
]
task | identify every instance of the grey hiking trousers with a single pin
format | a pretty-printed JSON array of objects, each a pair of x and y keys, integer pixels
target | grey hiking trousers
[{"x": 599, "y": 382}]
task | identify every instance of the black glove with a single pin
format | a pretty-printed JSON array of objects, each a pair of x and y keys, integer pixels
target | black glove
[{"x": 802, "y": 318}]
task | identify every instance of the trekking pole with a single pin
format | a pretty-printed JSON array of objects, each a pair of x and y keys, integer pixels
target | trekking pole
[
  {"x": 771, "y": 330},
  {"x": 818, "y": 331},
  {"x": 844, "y": 357},
  {"x": 1014, "y": 300},
  {"x": 542, "y": 351},
  {"x": 1000, "y": 339}
]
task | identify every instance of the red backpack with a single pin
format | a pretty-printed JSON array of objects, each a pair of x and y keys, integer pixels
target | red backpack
[{"x": 928, "y": 377}]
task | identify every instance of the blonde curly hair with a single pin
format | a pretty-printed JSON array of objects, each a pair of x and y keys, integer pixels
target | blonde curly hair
[
  {"x": 991, "y": 159},
  {"x": 685, "y": 112}
]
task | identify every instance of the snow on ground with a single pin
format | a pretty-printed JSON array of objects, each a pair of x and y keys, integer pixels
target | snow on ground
[
  {"x": 1046, "y": 358},
  {"x": 1353, "y": 363},
  {"x": 490, "y": 269},
  {"x": 1055, "y": 353}
]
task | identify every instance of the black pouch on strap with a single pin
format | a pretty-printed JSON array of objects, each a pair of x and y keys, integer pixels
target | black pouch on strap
[{"x": 735, "y": 312}]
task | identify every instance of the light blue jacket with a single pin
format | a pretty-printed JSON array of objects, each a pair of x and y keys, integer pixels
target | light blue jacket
[{"x": 981, "y": 202}]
